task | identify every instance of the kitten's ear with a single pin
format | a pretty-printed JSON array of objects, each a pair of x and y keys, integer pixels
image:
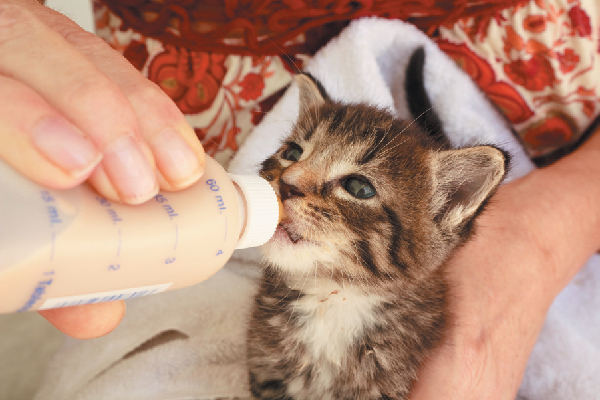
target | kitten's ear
[
  {"x": 464, "y": 180},
  {"x": 311, "y": 94}
]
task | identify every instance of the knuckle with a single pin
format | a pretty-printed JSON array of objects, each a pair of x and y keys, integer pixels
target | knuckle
[
  {"x": 83, "y": 40},
  {"x": 91, "y": 89},
  {"x": 146, "y": 92},
  {"x": 152, "y": 97},
  {"x": 99, "y": 97}
]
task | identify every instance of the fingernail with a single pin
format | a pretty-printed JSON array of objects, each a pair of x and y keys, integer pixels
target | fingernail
[
  {"x": 175, "y": 159},
  {"x": 64, "y": 145},
  {"x": 129, "y": 171}
]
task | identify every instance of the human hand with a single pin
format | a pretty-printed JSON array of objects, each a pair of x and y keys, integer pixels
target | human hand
[
  {"x": 537, "y": 233},
  {"x": 72, "y": 109},
  {"x": 86, "y": 321},
  {"x": 498, "y": 305}
]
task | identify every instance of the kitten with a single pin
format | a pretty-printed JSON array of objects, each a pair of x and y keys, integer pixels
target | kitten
[{"x": 353, "y": 296}]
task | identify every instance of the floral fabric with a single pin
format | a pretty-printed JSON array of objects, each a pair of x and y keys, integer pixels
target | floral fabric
[
  {"x": 538, "y": 61},
  {"x": 222, "y": 96},
  {"x": 271, "y": 27}
]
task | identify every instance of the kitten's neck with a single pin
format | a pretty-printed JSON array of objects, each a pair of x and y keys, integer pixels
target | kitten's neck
[{"x": 330, "y": 316}]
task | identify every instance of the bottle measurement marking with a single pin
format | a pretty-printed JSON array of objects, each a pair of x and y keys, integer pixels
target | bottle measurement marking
[
  {"x": 170, "y": 211},
  {"x": 172, "y": 214},
  {"x": 212, "y": 185},
  {"x": 53, "y": 214},
  {"x": 168, "y": 208},
  {"x": 220, "y": 204},
  {"x": 112, "y": 213},
  {"x": 38, "y": 291}
]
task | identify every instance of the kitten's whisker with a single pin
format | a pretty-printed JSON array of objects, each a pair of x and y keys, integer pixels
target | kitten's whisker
[
  {"x": 290, "y": 287},
  {"x": 296, "y": 302},
  {"x": 279, "y": 276},
  {"x": 405, "y": 128},
  {"x": 285, "y": 54}
]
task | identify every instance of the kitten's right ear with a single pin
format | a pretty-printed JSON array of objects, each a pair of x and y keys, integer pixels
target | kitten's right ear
[
  {"x": 464, "y": 180},
  {"x": 311, "y": 92}
]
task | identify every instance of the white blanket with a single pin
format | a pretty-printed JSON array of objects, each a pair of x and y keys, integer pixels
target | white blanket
[{"x": 201, "y": 355}]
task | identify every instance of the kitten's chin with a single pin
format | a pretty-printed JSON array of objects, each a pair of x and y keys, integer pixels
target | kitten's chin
[{"x": 292, "y": 253}]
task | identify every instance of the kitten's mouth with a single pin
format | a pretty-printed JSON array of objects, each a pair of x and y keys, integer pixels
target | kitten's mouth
[{"x": 284, "y": 224}]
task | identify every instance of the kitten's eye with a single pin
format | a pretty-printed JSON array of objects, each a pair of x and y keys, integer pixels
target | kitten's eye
[
  {"x": 292, "y": 153},
  {"x": 359, "y": 188}
]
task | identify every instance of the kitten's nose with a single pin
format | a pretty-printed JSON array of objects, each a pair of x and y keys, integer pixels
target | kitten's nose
[{"x": 287, "y": 191}]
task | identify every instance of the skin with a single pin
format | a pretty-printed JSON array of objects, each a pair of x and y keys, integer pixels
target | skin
[
  {"x": 537, "y": 234},
  {"x": 82, "y": 113}
]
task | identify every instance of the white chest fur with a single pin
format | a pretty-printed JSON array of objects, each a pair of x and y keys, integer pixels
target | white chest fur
[{"x": 332, "y": 318}]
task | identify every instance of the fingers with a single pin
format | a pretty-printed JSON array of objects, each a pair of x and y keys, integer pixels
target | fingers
[
  {"x": 177, "y": 152},
  {"x": 87, "y": 321},
  {"x": 143, "y": 138},
  {"x": 40, "y": 142},
  {"x": 74, "y": 87}
]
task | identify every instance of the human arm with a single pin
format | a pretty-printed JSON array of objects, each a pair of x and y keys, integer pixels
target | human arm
[
  {"x": 72, "y": 110},
  {"x": 535, "y": 236}
]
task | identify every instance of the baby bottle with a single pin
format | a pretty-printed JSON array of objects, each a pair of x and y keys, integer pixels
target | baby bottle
[{"x": 61, "y": 248}]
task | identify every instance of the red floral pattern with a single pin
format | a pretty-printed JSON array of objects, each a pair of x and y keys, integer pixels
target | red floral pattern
[
  {"x": 137, "y": 53},
  {"x": 550, "y": 132},
  {"x": 580, "y": 21},
  {"x": 252, "y": 87},
  {"x": 535, "y": 23},
  {"x": 191, "y": 79},
  {"x": 549, "y": 57},
  {"x": 568, "y": 60},
  {"x": 537, "y": 60},
  {"x": 222, "y": 96},
  {"x": 501, "y": 93},
  {"x": 534, "y": 74},
  {"x": 268, "y": 26}
]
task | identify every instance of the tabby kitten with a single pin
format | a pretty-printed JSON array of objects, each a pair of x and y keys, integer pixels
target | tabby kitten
[{"x": 353, "y": 296}]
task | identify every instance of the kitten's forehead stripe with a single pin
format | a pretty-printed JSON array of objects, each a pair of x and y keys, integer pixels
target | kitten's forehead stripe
[
  {"x": 337, "y": 119},
  {"x": 308, "y": 130},
  {"x": 361, "y": 134},
  {"x": 367, "y": 157}
]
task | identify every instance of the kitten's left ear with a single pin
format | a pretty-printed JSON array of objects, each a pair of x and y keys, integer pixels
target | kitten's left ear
[
  {"x": 311, "y": 92},
  {"x": 464, "y": 180}
]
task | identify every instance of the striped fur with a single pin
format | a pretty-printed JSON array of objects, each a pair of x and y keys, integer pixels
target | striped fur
[{"x": 353, "y": 296}]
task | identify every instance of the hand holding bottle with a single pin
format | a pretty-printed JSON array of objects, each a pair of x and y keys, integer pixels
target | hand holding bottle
[{"x": 72, "y": 109}]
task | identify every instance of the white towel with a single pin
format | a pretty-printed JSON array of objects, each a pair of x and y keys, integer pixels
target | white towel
[{"x": 202, "y": 355}]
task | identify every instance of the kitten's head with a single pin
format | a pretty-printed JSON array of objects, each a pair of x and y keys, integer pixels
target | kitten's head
[{"x": 367, "y": 195}]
